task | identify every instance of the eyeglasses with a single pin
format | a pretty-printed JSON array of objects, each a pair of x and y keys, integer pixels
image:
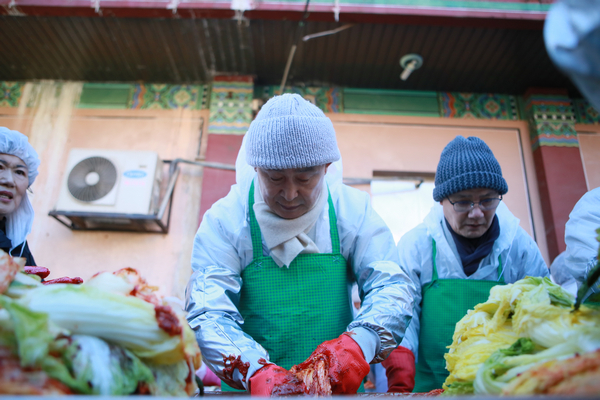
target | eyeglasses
[{"x": 467, "y": 205}]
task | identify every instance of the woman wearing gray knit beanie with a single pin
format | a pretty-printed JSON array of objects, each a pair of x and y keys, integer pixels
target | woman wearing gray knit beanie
[
  {"x": 467, "y": 244},
  {"x": 274, "y": 261}
]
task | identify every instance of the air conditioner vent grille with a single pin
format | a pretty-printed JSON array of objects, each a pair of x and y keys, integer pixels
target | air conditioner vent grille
[{"x": 92, "y": 179}]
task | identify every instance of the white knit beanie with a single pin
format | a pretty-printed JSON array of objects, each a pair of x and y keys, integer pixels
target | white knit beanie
[{"x": 290, "y": 132}]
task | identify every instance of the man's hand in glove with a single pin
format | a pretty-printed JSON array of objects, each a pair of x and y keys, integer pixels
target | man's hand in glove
[
  {"x": 347, "y": 365},
  {"x": 400, "y": 370},
  {"x": 272, "y": 379}
]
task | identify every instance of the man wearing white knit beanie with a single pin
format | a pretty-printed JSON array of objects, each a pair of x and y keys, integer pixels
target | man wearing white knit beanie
[{"x": 275, "y": 259}]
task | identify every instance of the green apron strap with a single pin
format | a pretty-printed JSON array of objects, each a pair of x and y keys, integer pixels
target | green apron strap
[
  {"x": 335, "y": 237},
  {"x": 434, "y": 254},
  {"x": 254, "y": 228},
  {"x": 500, "y": 270}
]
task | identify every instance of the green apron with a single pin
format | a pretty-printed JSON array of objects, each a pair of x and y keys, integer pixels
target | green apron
[
  {"x": 290, "y": 311},
  {"x": 444, "y": 303}
]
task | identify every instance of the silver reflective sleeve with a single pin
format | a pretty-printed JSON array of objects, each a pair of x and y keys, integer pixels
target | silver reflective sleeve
[
  {"x": 385, "y": 290},
  {"x": 220, "y": 253},
  {"x": 211, "y": 296},
  {"x": 386, "y": 306}
]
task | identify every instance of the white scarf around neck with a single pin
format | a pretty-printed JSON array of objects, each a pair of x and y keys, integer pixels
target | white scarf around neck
[{"x": 286, "y": 238}]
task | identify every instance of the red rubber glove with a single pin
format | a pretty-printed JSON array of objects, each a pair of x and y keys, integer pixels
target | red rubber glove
[
  {"x": 271, "y": 377},
  {"x": 347, "y": 364},
  {"x": 400, "y": 370}
]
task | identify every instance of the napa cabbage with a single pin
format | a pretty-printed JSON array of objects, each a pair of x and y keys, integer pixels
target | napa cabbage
[
  {"x": 102, "y": 337},
  {"x": 530, "y": 315},
  {"x": 109, "y": 314}
]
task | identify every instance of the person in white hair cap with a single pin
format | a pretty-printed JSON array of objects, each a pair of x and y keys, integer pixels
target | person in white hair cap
[
  {"x": 274, "y": 261},
  {"x": 19, "y": 164}
]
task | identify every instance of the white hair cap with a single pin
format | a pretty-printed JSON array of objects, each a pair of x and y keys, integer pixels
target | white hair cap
[
  {"x": 17, "y": 144},
  {"x": 20, "y": 221}
]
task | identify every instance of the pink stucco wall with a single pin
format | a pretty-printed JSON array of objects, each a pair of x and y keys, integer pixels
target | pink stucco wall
[{"x": 164, "y": 260}]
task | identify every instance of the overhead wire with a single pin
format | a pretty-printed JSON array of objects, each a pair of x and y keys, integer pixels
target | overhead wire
[{"x": 288, "y": 65}]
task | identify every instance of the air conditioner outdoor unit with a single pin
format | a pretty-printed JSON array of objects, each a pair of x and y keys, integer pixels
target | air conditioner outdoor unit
[{"x": 111, "y": 182}]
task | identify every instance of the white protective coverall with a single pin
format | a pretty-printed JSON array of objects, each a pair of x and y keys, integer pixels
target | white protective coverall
[
  {"x": 519, "y": 254},
  {"x": 573, "y": 265},
  {"x": 223, "y": 248},
  {"x": 572, "y": 37}
]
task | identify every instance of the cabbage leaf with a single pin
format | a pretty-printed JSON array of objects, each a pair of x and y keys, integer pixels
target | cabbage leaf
[
  {"x": 505, "y": 365},
  {"x": 89, "y": 310},
  {"x": 109, "y": 369}
]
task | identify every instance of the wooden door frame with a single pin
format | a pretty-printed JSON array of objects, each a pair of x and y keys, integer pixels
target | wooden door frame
[{"x": 522, "y": 129}]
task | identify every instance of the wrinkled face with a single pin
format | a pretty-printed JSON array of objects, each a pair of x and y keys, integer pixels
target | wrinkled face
[
  {"x": 14, "y": 181},
  {"x": 291, "y": 193},
  {"x": 471, "y": 224}
]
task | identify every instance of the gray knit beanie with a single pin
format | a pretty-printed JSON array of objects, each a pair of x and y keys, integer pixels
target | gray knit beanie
[
  {"x": 467, "y": 164},
  {"x": 290, "y": 132}
]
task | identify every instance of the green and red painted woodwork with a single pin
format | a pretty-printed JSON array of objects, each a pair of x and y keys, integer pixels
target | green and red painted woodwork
[
  {"x": 557, "y": 160},
  {"x": 229, "y": 119}
]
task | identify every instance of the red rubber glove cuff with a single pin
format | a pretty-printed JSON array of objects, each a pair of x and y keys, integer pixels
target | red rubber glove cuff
[
  {"x": 347, "y": 364},
  {"x": 400, "y": 370},
  {"x": 272, "y": 376}
]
